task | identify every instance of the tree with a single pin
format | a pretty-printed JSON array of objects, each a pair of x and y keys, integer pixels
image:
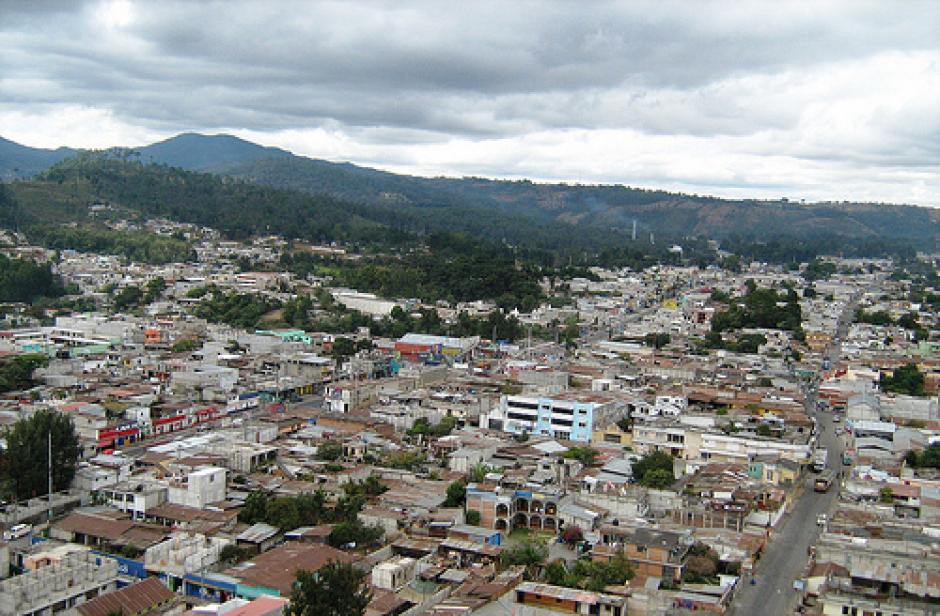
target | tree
[
  {"x": 657, "y": 340},
  {"x": 530, "y": 553},
  {"x": 329, "y": 450},
  {"x": 572, "y": 535},
  {"x": 128, "y": 297},
  {"x": 473, "y": 517},
  {"x": 354, "y": 533},
  {"x": 657, "y": 478},
  {"x": 17, "y": 373},
  {"x": 456, "y": 494},
  {"x": 928, "y": 458},
  {"x": 255, "y": 509},
  {"x": 479, "y": 471},
  {"x": 906, "y": 380},
  {"x": 283, "y": 513},
  {"x": 184, "y": 345},
  {"x": 763, "y": 430},
  {"x": 584, "y": 455},
  {"x": 336, "y": 589},
  {"x": 232, "y": 554},
  {"x": 27, "y": 453},
  {"x": 656, "y": 460},
  {"x": 701, "y": 565},
  {"x": 343, "y": 347}
]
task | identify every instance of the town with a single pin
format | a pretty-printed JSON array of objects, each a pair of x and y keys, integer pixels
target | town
[{"x": 741, "y": 438}]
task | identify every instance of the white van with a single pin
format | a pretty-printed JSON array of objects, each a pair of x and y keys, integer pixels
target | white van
[{"x": 15, "y": 532}]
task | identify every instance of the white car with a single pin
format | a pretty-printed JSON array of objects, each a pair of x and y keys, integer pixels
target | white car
[
  {"x": 15, "y": 532},
  {"x": 822, "y": 519}
]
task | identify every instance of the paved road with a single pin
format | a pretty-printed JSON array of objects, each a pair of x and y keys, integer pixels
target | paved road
[{"x": 786, "y": 557}]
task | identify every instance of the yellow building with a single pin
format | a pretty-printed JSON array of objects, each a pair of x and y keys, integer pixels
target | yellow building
[{"x": 612, "y": 435}]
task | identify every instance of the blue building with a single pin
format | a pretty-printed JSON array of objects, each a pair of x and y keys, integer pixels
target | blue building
[{"x": 570, "y": 417}]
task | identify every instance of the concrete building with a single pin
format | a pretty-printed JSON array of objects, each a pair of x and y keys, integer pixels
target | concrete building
[
  {"x": 506, "y": 510},
  {"x": 570, "y": 417},
  {"x": 57, "y": 587},
  {"x": 198, "y": 488},
  {"x": 136, "y": 497},
  {"x": 394, "y": 573},
  {"x": 367, "y": 303}
]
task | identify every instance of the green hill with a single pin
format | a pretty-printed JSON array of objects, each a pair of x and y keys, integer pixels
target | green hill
[{"x": 257, "y": 190}]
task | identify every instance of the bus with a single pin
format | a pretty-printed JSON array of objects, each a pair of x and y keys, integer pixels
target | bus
[{"x": 824, "y": 481}]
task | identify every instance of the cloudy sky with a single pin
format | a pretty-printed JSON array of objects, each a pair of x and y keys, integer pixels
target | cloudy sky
[{"x": 814, "y": 100}]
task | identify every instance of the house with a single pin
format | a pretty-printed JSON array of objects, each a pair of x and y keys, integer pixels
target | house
[
  {"x": 505, "y": 510},
  {"x": 652, "y": 552},
  {"x": 476, "y": 534},
  {"x": 258, "y": 538},
  {"x": 275, "y": 571},
  {"x": 569, "y": 600},
  {"x": 140, "y": 598},
  {"x": 394, "y": 573}
]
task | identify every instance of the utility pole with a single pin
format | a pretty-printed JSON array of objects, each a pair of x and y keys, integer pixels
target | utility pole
[{"x": 50, "y": 476}]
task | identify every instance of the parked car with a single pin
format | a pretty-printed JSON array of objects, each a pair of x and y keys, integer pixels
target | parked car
[{"x": 15, "y": 532}]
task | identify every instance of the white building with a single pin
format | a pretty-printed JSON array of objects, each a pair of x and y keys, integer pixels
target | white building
[{"x": 199, "y": 488}]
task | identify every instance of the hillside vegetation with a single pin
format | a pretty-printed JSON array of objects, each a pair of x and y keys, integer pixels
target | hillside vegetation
[{"x": 356, "y": 204}]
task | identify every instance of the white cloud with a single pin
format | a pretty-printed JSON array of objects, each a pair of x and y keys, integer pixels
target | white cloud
[{"x": 822, "y": 100}]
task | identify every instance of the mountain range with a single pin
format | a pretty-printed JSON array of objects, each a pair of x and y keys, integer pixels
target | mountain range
[{"x": 608, "y": 212}]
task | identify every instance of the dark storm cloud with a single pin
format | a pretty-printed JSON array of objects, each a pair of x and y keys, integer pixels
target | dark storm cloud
[{"x": 855, "y": 82}]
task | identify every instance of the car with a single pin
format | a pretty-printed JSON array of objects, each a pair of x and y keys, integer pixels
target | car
[
  {"x": 15, "y": 532},
  {"x": 836, "y": 418},
  {"x": 822, "y": 519}
]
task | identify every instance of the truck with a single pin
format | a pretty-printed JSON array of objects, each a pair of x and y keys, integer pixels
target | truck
[
  {"x": 820, "y": 459},
  {"x": 824, "y": 481}
]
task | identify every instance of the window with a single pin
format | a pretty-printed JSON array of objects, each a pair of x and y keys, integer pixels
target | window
[{"x": 523, "y": 405}]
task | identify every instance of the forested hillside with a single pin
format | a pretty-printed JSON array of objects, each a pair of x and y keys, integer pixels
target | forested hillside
[{"x": 256, "y": 190}]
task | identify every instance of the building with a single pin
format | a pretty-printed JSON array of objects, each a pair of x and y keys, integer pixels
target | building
[
  {"x": 569, "y": 600},
  {"x": 199, "y": 488},
  {"x": 653, "y": 552},
  {"x": 504, "y": 511},
  {"x": 422, "y": 348},
  {"x": 394, "y": 573},
  {"x": 275, "y": 571},
  {"x": 140, "y": 598},
  {"x": 571, "y": 416},
  {"x": 55, "y": 588}
]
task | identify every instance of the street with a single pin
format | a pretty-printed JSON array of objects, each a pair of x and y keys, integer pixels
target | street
[{"x": 786, "y": 556}]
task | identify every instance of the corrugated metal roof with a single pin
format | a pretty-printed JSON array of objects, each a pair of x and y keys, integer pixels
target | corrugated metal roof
[{"x": 140, "y": 597}]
